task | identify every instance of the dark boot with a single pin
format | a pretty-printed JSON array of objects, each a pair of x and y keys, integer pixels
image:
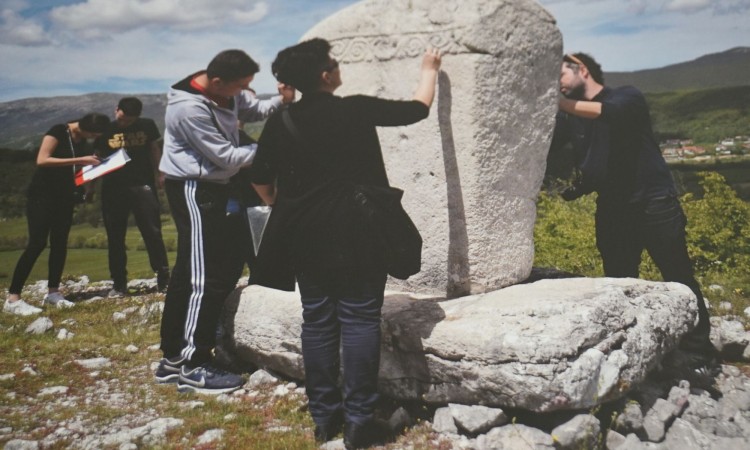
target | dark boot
[
  {"x": 325, "y": 433},
  {"x": 374, "y": 432}
]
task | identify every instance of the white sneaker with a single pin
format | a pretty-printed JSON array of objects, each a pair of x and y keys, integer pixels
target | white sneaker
[
  {"x": 114, "y": 293},
  {"x": 57, "y": 299},
  {"x": 20, "y": 308}
]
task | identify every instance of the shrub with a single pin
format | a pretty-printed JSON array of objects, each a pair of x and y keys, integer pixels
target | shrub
[{"x": 718, "y": 230}]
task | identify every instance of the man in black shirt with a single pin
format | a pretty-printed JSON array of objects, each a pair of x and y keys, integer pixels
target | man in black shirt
[
  {"x": 132, "y": 188},
  {"x": 618, "y": 157}
]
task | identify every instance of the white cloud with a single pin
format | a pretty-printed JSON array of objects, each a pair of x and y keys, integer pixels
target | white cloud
[
  {"x": 17, "y": 30},
  {"x": 687, "y": 6},
  {"x": 717, "y": 6},
  {"x": 104, "y": 17}
]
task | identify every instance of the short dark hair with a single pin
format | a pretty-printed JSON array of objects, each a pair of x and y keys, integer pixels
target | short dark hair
[
  {"x": 93, "y": 123},
  {"x": 130, "y": 106},
  {"x": 231, "y": 65},
  {"x": 594, "y": 68},
  {"x": 301, "y": 65}
]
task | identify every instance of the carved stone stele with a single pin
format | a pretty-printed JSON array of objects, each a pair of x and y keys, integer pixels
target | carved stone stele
[{"x": 471, "y": 172}]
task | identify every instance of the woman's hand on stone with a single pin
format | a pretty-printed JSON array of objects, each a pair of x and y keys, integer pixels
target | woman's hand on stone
[{"x": 431, "y": 60}]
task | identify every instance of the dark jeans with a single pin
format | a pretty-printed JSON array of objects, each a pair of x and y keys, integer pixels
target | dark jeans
[
  {"x": 349, "y": 321},
  {"x": 47, "y": 218},
  {"x": 117, "y": 204},
  {"x": 623, "y": 231},
  {"x": 203, "y": 274}
]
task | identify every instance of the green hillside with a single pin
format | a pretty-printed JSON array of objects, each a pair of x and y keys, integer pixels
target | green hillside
[
  {"x": 706, "y": 116},
  {"x": 716, "y": 70}
]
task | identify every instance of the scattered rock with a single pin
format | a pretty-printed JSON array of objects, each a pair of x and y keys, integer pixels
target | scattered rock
[
  {"x": 40, "y": 326},
  {"x": 64, "y": 334},
  {"x": 7, "y": 376},
  {"x": 516, "y": 437},
  {"x": 54, "y": 390},
  {"x": 260, "y": 378},
  {"x": 29, "y": 370},
  {"x": 477, "y": 419},
  {"x": 443, "y": 421},
  {"x": 94, "y": 363},
  {"x": 131, "y": 349},
  {"x": 19, "y": 444},
  {"x": 210, "y": 436},
  {"x": 582, "y": 431},
  {"x": 729, "y": 337},
  {"x": 400, "y": 420}
]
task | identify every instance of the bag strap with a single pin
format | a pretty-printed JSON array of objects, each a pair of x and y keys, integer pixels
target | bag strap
[
  {"x": 72, "y": 149},
  {"x": 286, "y": 118}
]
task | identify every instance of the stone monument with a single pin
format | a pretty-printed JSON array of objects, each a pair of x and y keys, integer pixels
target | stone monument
[{"x": 471, "y": 172}]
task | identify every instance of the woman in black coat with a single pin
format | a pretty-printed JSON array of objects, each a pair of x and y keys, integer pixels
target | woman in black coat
[{"x": 317, "y": 236}]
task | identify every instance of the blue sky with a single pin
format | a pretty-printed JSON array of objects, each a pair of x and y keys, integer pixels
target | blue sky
[{"x": 70, "y": 47}]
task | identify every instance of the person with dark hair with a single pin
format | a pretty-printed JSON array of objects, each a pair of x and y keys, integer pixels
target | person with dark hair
[
  {"x": 317, "y": 235},
  {"x": 618, "y": 158},
  {"x": 132, "y": 188},
  {"x": 52, "y": 195},
  {"x": 202, "y": 152}
]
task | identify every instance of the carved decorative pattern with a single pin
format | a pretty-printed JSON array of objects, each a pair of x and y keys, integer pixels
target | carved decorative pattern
[{"x": 382, "y": 48}]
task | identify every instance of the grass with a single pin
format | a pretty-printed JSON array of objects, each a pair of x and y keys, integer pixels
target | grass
[{"x": 123, "y": 393}]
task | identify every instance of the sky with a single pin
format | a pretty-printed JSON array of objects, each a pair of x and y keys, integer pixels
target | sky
[{"x": 70, "y": 47}]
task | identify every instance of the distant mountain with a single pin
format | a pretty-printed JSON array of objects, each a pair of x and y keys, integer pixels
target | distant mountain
[
  {"x": 23, "y": 122},
  {"x": 717, "y": 70}
]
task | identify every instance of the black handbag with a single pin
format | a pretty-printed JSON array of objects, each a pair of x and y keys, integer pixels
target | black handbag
[
  {"x": 392, "y": 228},
  {"x": 389, "y": 224}
]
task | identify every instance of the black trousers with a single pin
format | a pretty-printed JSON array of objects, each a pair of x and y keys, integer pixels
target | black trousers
[
  {"x": 204, "y": 272},
  {"x": 623, "y": 231},
  {"x": 117, "y": 204},
  {"x": 47, "y": 218}
]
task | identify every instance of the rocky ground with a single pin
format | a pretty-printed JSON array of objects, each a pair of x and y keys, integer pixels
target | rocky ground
[{"x": 90, "y": 387}]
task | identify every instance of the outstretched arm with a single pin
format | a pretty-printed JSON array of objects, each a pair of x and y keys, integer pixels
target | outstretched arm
[
  {"x": 428, "y": 77},
  {"x": 581, "y": 108}
]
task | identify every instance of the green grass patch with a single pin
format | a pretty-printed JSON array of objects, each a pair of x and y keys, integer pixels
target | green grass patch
[{"x": 89, "y": 255}]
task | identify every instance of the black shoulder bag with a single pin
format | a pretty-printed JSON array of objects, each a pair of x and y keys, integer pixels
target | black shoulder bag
[{"x": 392, "y": 227}]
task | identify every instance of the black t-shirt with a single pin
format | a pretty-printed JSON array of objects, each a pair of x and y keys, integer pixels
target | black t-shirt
[
  {"x": 314, "y": 215},
  {"x": 136, "y": 140},
  {"x": 617, "y": 153},
  {"x": 58, "y": 182}
]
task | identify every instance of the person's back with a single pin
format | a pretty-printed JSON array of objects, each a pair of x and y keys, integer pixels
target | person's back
[{"x": 307, "y": 165}]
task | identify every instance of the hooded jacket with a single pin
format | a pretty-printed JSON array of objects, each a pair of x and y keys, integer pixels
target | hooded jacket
[{"x": 201, "y": 139}]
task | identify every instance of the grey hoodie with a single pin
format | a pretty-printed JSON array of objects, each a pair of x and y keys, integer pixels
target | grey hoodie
[{"x": 194, "y": 148}]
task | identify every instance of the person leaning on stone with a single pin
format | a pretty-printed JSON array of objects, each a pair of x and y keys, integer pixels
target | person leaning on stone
[
  {"x": 201, "y": 153},
  {"x": 132, "y": 188},
  {"x": 618, "y": 158},
  {"x": 317, "y": 234},
  {"x": 51, "y": 198}
]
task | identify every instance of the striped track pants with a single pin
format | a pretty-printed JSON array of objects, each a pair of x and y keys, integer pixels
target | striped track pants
[{"x": 205, "y": 269}]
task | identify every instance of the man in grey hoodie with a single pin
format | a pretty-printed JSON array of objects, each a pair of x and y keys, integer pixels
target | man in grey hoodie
[{"x": 201, "y": 152}]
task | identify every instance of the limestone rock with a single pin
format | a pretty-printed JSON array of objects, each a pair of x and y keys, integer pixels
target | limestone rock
[
  {"x": 515, "y": 437},
  {"x": 39, "y": 326},
  {"x": 472, "y": 170},
  {"x": 443, "y": 421},
  {"x": 582, "y": 431},
  {"x": 477, "y": 419},
  {"x": 729, "y": 337},
  {"x": 549, "y": 345}
]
